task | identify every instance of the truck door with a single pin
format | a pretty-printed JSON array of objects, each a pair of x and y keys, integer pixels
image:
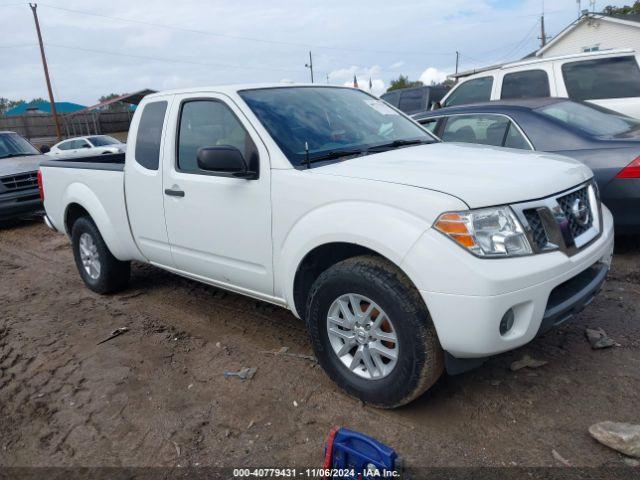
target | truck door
[
  {"x": 143, "y": 181},
  {"x": 219, "y": 226}
]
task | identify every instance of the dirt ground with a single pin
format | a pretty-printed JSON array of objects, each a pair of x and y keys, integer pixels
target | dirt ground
[{"x": 157, "y": 394}]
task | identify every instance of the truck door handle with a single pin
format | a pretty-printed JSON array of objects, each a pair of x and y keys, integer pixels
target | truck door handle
[{"x": 173, "y": 193}]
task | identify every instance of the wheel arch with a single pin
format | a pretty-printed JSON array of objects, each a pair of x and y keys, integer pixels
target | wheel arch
[{"x": 323, "y": 257}]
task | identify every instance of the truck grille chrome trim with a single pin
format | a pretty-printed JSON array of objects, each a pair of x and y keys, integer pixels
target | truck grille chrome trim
[
  {"x": 567, "y": 221},
  {"x": 22, "y": 181}
]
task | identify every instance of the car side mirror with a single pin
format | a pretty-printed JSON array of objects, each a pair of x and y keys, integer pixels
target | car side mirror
[
  {"x": 436, "y": 106},
  {"x": 224, "y": 159},
  {"x": 45, "y": 148}
]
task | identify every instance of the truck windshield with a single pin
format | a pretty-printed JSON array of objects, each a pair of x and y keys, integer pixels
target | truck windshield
[
  {"x": 103, "y": 140},
  {"x": 330, "y": 123},
  {"x": 591, "y": 119},
  {"x": 13, "y": 145}
]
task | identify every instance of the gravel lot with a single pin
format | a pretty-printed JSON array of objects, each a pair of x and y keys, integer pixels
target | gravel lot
[{"x": 157, "y": 394}]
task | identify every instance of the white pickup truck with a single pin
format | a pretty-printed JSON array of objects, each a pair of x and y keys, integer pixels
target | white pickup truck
[{"x": 402, "y": 254}]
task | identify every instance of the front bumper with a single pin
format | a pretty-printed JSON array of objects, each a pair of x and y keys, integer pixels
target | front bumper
[
  {"x": 470, "y": 296},
  {"x": 19, "y": 203}
]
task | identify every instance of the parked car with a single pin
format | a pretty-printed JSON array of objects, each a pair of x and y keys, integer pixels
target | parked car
[
  {"x": 605, "y": 141},
  {"x": 392, "y": 246},
  {"x": 415, "y": 99},
  {"x": 83, "y": 146},
  {"x": 609, "y": 78},
  {"x": 19, "y": 161}
]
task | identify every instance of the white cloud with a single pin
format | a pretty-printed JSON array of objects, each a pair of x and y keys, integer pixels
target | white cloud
[
  {"x": 396, "y": 65},
  {"x": 432, "y": 75}
]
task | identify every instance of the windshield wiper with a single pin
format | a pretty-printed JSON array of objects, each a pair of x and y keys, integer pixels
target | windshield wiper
[
  {"x": 397, "y": 144},
  {"x": 332, "y": 155}
]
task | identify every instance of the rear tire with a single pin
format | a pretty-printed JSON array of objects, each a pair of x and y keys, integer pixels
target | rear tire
[
  {"x": 404, "y": 331},
  {"x": 100, "y": 270}
]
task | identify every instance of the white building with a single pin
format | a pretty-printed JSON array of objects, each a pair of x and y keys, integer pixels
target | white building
[{"x": 593, "y": 32}]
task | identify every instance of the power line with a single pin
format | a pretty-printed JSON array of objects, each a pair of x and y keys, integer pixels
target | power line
[
  {"x": 238, "y": 37},
  {"x": 172, "y": 60}
]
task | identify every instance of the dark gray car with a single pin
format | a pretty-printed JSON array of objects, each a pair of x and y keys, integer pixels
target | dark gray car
[
  {"x": 607, "y": 142},
  {"x": 19, "y": 161}
]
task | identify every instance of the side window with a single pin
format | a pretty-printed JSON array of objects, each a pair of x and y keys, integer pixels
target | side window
[
  {"x": 391, "y": 98},
  {"x": 527, "y": 84},
  {"x": 430, "y": 124},
  {"x": 617, "y": 77},
  {"x": 411, "y": 101},
  {"x": 479, "y": 128},
  {"x": 515, "y": 139},
  {"x": 150, "y": 134},
  {"x": 471, "y": 91},
  {"x": 65, "y": 145},
  {"x": 208, "y": 123}
]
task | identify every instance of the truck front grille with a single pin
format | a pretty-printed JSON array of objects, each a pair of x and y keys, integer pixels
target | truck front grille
[
  {"x": 22, "y": 181},
  {"x": 565, "y": 222},
  {"x": 570, "y": 204},
  {"x": 538, "y": 232}
]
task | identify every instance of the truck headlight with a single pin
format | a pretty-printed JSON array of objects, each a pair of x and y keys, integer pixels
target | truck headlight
[{"x": 486, "y": 232}]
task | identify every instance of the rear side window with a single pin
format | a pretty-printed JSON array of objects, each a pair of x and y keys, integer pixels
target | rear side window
[
  {"x": 411, "y": 101},
  {"x": 150, "y": 134},
  {"x": 485, "y": 129},
  {"x": 391, "y": 98},
  {"x": 527, "y": 84},
  {"x": 471, "y": 91},
  {"x": 617, "y": 77}
]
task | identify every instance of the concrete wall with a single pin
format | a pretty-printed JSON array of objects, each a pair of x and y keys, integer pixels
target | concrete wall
[
  {"x": 41, "y": 128},
  {"x": 589, "y": 33}
]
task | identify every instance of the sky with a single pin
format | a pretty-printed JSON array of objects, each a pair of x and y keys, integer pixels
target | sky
[{"x": 96, "y": 47}]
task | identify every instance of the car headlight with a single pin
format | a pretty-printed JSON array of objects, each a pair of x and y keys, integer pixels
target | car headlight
[{"x": 486, "y": 232}]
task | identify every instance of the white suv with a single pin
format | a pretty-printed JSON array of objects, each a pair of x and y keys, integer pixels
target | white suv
[{"x": 610, "y": 79}]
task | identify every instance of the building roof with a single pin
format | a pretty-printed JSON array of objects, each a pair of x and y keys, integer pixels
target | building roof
[
  {"x": 131, "y": 98},
  {"x": 630, "y": 20},
  {"x": 44, "y": 107}
]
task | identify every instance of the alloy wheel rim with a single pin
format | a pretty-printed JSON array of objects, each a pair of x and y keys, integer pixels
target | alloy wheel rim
[
  {"x": 89, "y": 256},
  {"x": 362, "y": 336}
]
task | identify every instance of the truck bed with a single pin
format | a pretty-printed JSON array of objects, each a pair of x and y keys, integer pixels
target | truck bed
[{"x": 95, "y": 184}]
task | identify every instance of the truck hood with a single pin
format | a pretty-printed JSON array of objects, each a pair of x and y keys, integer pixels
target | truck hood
[
  {"x": 479, "y": 175},
  {"x": 16, "y": 165}
]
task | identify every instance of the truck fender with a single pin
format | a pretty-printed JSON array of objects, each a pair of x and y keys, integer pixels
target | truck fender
[
  {"x": 387, "y": 231},
  {"x": 82, "y": 195}
]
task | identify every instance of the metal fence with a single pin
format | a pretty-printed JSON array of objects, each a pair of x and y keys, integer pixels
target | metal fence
[{"x": 40, "y": 128}]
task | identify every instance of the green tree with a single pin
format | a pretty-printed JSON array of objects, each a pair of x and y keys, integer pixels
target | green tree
[
  {"x": 403, "y": 82},
  {"x": 625, "y": 10},
  {"x": 7, "y": 104}
]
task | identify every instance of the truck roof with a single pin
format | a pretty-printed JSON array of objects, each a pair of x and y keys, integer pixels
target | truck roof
[
  {"x": 530, "y": 61},
  {"x": 235, "y": 88}
]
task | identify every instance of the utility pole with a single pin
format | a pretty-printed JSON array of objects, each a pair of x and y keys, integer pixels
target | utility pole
[
  {"x": 310, "y": 65},
  {"x": 457, "y": 59},
  {"x": 543, "y": 36},
  {"x": 34, "y": 6}
]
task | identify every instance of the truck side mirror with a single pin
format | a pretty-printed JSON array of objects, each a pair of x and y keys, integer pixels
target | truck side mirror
[{"x": 224, "y": 159}]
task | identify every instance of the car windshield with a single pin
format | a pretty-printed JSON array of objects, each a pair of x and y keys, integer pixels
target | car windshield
[
  {"x": 591, "y": 119},
  {"x": 13, "y": 145},
  {"x": 318, "y": 123},
  {"x": 103, "y": 140}
]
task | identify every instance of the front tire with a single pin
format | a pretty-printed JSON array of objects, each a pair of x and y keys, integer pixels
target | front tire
[
  {"x": 100, "y": 270},
  {"x": 372, "y": 333}
]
